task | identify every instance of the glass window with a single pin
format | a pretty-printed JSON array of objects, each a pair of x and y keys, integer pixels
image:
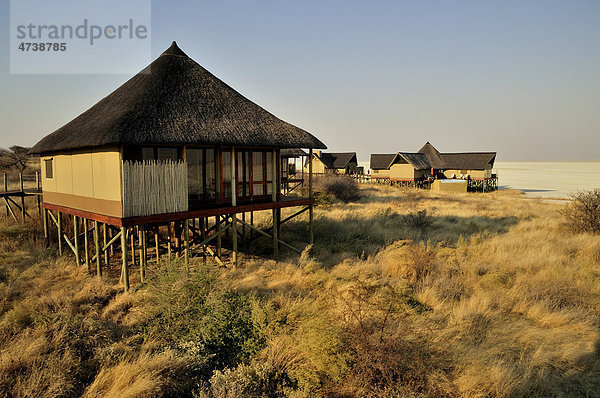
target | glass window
[
  {"x": 195, "y": 160},
  {"x": 269, "y": 166},
  {"x": 211, "y": 182},
  {"x": 148, "y": 153},
  {"x": 257, "y": 167},
  {"x": 167, "y": 154},
  {"x": 49, "y": 170},
  {"x": 258, "y": 190},
  {"x": 226, "y": 156}
]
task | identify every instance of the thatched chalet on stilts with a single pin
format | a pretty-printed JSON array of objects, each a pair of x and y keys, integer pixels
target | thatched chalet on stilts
[{"x": 173, "y": 148}]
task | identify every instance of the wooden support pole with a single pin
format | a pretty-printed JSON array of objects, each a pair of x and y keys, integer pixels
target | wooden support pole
[
  {"x": 98, "y": 248},
  {"x": 76, "y": 239},
  {"x": 234, "y": 259},
  {"x": 143, "y": 252},
  {"x": 244, "y": 232},
  {"x": 86, "y": 244},
  {"x": 156, "y": 245},
  {"x": 125, "y": 269},
  {"x": 263, "y": 233},
  {"x": 59, "y": 229},
  {"x": 218, "y": 224},
  {"x": 186, "y": 243},
  {"x": 132, "y": 246},
  {"x": 46, "y": 232},
  {"x": 311, "y": 232},
  {"x": 37, "y": 185},
  {"x": 274, "y": 236},
  {"x": 23, "y": 213},
  {"x": 6, "y": 190},
  {"x": 104, "y": 240}
]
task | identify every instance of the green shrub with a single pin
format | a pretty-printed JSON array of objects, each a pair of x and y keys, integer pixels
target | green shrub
[
  {"x": 343, "y": 188},
  {"x": 419, "y": 220},
  {"x": 582, "y": 214},
  {"x": 199, "y": 308}
]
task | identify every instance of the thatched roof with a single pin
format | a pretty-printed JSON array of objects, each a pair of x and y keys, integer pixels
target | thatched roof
[
  {"x": 468, "y": 160},
  {"x": 382, "y": 161},
  {"x": 457, "y": 160},
  {"x": 175, "y": 101},
  {"x": 337, "y": 160},
  {"x": 293, "y": 153},
  {"x": 417, "y": 160},
  {"x": 432, "y": 155}
]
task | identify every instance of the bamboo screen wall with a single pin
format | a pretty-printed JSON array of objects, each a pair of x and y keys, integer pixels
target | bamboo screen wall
[{"x": 154, "y": 187}]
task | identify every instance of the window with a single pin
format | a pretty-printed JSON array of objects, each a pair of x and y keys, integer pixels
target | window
[{"x": 48, "y": 167}]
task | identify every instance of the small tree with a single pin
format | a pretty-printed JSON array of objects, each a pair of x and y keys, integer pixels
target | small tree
[
  {"x": 582, "y": 214},
  {"x": 14, "y": 157}
]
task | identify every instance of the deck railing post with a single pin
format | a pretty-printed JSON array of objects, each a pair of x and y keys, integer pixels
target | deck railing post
[
  {"x": 125, "y": 269},
  {"x": 311, "y": 233},
  {"x": 59, "y": 230},
  {"x": 234, "y": 242},
  {"x": 98, "y": 248}
]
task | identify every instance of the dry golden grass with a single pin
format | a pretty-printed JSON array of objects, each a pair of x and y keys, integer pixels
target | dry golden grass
[{"x": 491, "y": 297}]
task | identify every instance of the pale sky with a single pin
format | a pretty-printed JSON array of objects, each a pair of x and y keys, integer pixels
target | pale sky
[{"x": 518, "y": 77}]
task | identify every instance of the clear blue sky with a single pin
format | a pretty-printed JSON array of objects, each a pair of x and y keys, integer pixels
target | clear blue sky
[{"x": 518, "y": 77}]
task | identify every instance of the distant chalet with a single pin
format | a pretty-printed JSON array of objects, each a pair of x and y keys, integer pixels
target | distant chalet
[
  {"x": 428, "y": 162},
  {"x": 333, "y": 162}
]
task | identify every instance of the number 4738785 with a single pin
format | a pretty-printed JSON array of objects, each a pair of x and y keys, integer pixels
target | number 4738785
[{"x": 43, "y": 46}]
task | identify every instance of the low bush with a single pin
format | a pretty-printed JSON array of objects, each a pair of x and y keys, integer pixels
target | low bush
[
  {"x": 343, "y": 188},
  {"x": 582, "y": 214},
  {"x": 419, "y": 220}
]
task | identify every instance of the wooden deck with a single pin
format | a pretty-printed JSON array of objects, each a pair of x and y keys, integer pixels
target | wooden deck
[{"x": 208, "y": 211}]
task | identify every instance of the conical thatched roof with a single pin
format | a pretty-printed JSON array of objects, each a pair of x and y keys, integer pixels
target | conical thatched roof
[
  {"x": 177, "y": 102},
  {"x": 432, "y": 155}
]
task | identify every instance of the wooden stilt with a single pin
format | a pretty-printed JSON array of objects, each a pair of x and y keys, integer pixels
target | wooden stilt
[
  {"x": 244, "y": 232},
  {"x": 46, "y": 232},
  {"x": 274, "y": 235},
  {"x": 23, "y": 212},
  {"x": 98, "y": 248},
  {"x": 186, "y": 243},
  {"x": 112, "y": 245},
  {"x": 143, "y": 261},
  {"x": 156, "y": 245},
  {"x": 59, "y": 230},
  {"x": 218, "y": 229},
  {"x": 234, "y": 241},
  {"x": 76, "y": 239},
  {"x": 104, "y": 241},
  {"x": 6, "y": 190},
  {"x": 311, "y": 233},
  {"x": 133, "y": 247},
  {"x": 38, "y": 198},
  {"x": 125, "y": 270},
  {"x": 86, "y": 244}
]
